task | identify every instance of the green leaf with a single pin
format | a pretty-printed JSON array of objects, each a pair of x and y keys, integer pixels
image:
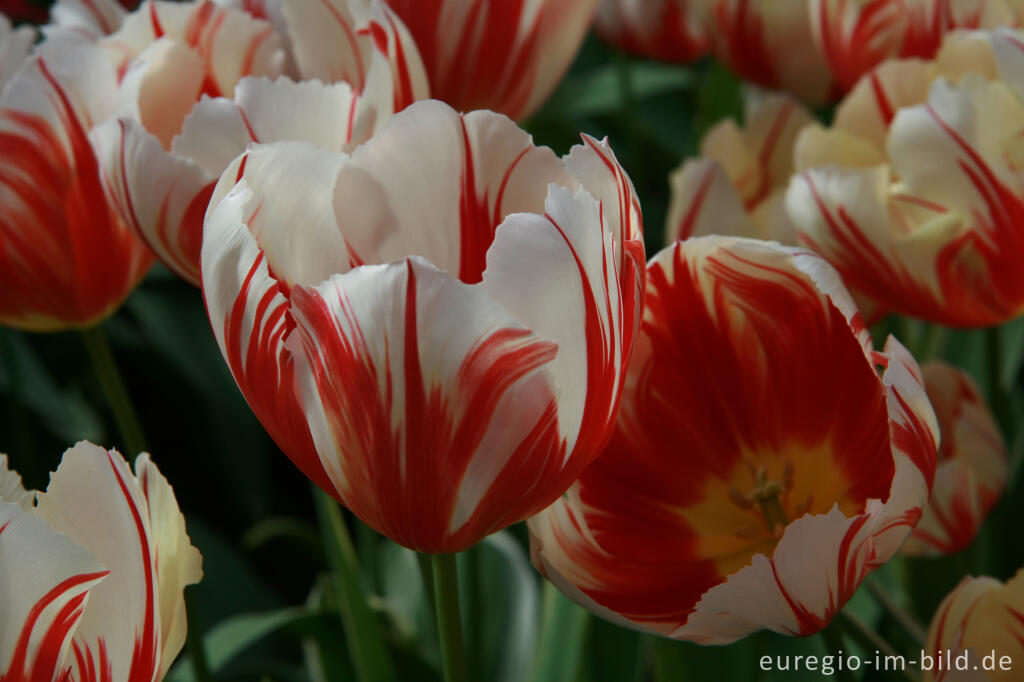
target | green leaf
[
  {"x": 599, "y": 91},
  {"x": 63, "y": 411},
  {"x": 563, "y": 635},
  {"x": 615, "y": 654},
  {"x": 503, "y": 632},
  {"x": 231, "y": 638}
]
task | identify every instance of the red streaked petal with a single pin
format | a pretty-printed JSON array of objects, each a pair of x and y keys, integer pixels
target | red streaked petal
[
  {"x": 45, "y": 579},
  {"x": 14, "y": 48},
  {"x": 56, "y": 224},
  {"x": 431, "y": 407},
  {"x": 483, "y": 168},
  {"x": 161, "y": 196},
  {"x": 668, "y": 30},
  {"x": 94, "y": 499},
  {"x": 248, "y": 305},
  {"x": 90, "y": 19},
  {"x": 705, "y": 202},
  {"x": 505, "y": 56}
]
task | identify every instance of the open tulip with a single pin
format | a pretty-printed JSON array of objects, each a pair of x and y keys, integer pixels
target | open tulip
[
  {"x": 756, "y": 486},
  {"x": 670, "y": 30},
  {"x": 66, "y": 257},
  {"x": 931, "y": 226},
  {"x": 160, "y": 164},
  {"x": 854, "y": 36},
  {"x": 445, "y": 314},
  {"x": 771, "y": 44},
  {"x": 738, "y": 185},
  {"x": 982, "y": 618},
  {"x": 92, "y": 576},
  {"x": 505, "y": 56},
  {"x": 972, "y": 465}
]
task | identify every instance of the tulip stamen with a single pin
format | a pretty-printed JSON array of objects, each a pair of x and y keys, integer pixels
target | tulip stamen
[{"x": 767, "y": 495}]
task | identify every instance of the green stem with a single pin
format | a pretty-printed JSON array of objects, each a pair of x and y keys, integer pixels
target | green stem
[
  {"x": 906, "y": 620},
  {"x": 668, "y": 661},
  {"x": 449, "y": 621},
  {"x": 362, "y": 631},
  {"x": 105, "y": 366},
  {"x": 194, "y": 641},
  {"x": 427, "y": 576},
  {"x": 833, "y": 638},
  {"x": 933, "y": 342},
  {"x": 996, "y": 395},
  {"x": 474, "y": 608},
  {"x": 870, "y": 640}
]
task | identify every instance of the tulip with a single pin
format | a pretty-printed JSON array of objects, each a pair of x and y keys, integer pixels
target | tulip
[
  {"x": 670, "y": 30},
  {"x": 766, "y": 458},
  {"x": 506, "y": 56},
  {"x": 435, "y": 327},
  {"x": 87, "y": 20},
  {"x": 854, "y": 36},
  {"x": 66, "y": 258},
  {"x": 771, "y": 44},
  {"x": 161, "y": 162},
  {"x": 984, "y": 619},
  {"x": 92, "y": 576},
  {"x": 972, "y": 464},
  {"x": 928, "y": 225},
  {"x": 737, "y": 185}
]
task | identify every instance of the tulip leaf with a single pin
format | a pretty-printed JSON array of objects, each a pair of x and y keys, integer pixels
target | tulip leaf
[
  {"x": 599, "y": 91},
  {"x": 563, "y": 635}
]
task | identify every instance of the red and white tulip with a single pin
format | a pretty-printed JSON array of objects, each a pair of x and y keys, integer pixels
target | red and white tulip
[
  {"x": 982, "y": 617},
  {"x": 435, "y": 327},
  {"x": 930, "y": 224},
  {"x": 670, "y": 30},
  {"x": 506, "y": 56},
  {"x": 766, "y": 458},
  {"x": 66, "y": 257},
  {"x": 770, "y": 43},
  {"x": 92, "y": 575},
  {"x": 972, "y": 464},
  {"x": 855, "y": 36},
  {"x": 738, "y": 184},
  {"x": 161, "y": 162}
]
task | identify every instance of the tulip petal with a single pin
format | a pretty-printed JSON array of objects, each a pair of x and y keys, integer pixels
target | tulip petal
[
  {"x": 177, "y": 562},
  {"x": 89, "y": 19},
  {"x": 421, "y": 389},
  {"x": 483, "y": 167},
  {"x": 162, "y": 197},
  {"x": 505, "y": 56},
  {"x": 667, "y": 30},
  {"x": 95, "y": 500},
  {"x": 11, "y": 488},
  {"x": 14, "y": 47},
  {"x": 56, "y": 224},
  {"x": 324, "y": 34},
  {"x": 705, "y": 202},
  {"x": 245, "y": 287},
  {"x": 230, "y": 42},
  {"x": 45, "y": 580}
]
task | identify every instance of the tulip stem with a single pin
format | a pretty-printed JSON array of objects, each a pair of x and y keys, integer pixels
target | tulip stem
[
  {"x": 366, "y": 644},
  {"x": 870, "y": 640},
  {"x": 449, "y": 621},
  {"x": 906, "y": 620},
  {"x": 194, "y": 640},
  {"x": 105, "y": 366},
  {"x": 833, "y": 638},
  {"x": 996, "y": 394}
]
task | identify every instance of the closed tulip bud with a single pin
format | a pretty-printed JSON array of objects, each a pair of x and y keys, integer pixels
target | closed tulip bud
[
  {"x": 670, "y": 30},
  {"x": 972, "y": 465},
  {"x": 982, "y": 620}
]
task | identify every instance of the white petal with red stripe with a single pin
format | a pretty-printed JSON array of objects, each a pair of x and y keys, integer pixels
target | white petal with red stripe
[
  {"x": 11, "y": 488},
  {"x": 45, "y": 580},
  {"x": 96, "y": 501}
]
